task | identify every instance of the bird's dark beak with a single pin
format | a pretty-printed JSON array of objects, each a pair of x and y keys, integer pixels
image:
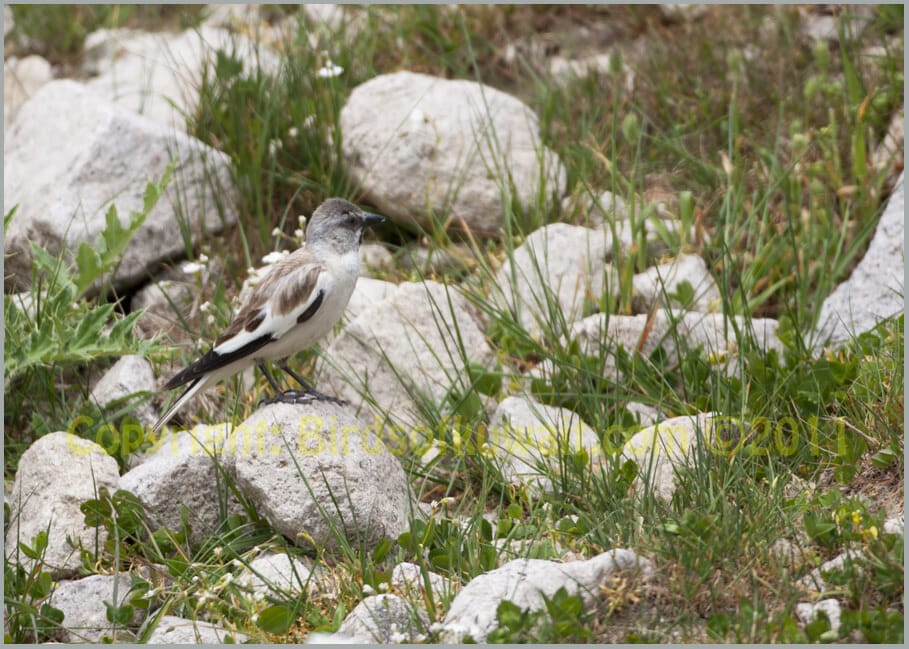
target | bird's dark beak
[{"x": 370, "y": 219}]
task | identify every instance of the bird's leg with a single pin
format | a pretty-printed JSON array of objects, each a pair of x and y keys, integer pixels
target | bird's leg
[
  {"x": 280, "y": 397},
  {"x": 296, "y": 377},
  {"x": 308, "y": 392}
]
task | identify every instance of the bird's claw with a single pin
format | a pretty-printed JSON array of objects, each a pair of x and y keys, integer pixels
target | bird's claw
[{"x": 301, "y": 396}]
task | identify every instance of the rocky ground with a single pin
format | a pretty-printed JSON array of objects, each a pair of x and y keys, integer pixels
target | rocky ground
[{"x": 353, "y": 508}]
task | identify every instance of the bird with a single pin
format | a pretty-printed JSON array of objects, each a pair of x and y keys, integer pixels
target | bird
[{"x": 298, "y": 301}]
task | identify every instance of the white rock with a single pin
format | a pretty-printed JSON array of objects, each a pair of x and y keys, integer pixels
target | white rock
[
  {"x": 716, "y": 336},
  {"x": 558, "y": 263},
  {"x": 410, "y": 579},
  {"x": 850, "y": 560},
  {"x": 418, "y": 340},
  {"x": 129, "y": 375},
  {"x": 165, "y": 304},
  {"x": 682, "y": 12},
  {"x": 564, "y": 70},
  {"x": 56, "y": 474},
  {"x": 177, "y": 630},
  {"x": 808, "y": 612},
  {"x": 894, "y": 525},
  {"x": 21, "y": 79},
  {"x": 874, "y": 291},
  {"x": 525, "y": 583},
  {"x": 319, "y": 637},
  {"x": 660, "y": 449},
  {"x": 444, "y": 146},
  {"x": 385, "y": 619},
  {"x": 890, "y": 151},
  {"x": 231, "y": 15},
  {"x": 315, "y": 471},
  {"x": 159, "y": 74},
  {"x": 101, "y": 153},
  {"x": 279, "y": 575},
  {"x": 531, "y": 440},
  {"x": 82, "y": 602},
  {"x": 180, "y": 472},
  {"x": 375, "y": 256},
  {"x": 646, "y": 415},
  {"x": 658, "y": 284},
  {"x": 367, "y": 292}
]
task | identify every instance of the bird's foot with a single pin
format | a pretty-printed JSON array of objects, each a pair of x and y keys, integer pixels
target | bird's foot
[
  {"x": 299, "y": 397},
  {"x": 305, "y": 396}
]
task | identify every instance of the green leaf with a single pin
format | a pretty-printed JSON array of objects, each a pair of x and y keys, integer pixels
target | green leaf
[
  {"x": 276, "y": 619},
  {"x": 121, "y": 615}
]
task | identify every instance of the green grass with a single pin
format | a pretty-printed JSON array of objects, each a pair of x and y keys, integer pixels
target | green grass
[{"x": 764, "y": 158}]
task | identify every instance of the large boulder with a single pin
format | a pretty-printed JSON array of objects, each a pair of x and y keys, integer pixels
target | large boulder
[
  {"x": 874, "y": 291},
  {"x": 159, "y": 75},
  {"x": 416, "y": 344},
  {"x": 185, "y": 470},
  {"x": 21, "y": 79},
  {"x": 96, "y": 154},
  {"x": 317, "y": 472},
  {"x": 56, "y": 475},
  {"x": 419, "y": 146}
]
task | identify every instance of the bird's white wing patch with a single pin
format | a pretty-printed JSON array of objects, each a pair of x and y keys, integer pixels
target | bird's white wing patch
[{"x": 274, "y": 323}]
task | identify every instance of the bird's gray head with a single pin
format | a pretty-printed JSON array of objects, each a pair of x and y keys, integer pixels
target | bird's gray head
[{"x": 339, "y": 224}]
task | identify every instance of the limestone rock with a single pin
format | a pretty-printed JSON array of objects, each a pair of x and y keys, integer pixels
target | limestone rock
[
  {"x": 808, "y": 612},
  {"x": 129, "y": 375},
  {"x": 874, "y": 291},
  {"x": 56, "y": 474},
  {"x": 159, "y": 74},
  {"x": 104, "y": 154},
  {"x": 315, "y": 471},
  {"x": 180, "y": 472},
  {"x": 82, "y": 602},
  {"x": 528, "y": 436},
  {"x": 661, "y": 285},
  {"x": 660, "y": 449},
  {"x": 558, "y": 263},
  {"x": 21, "y": 79},
  {"x": 444, "y": 147},
  {"x": 418, "y": 341},
  {"x": 385, "y": 619},
  {"x": 411, "y": 580},
  {"x": 177, "y": 630},
  {"x": 525, "y": 583}
]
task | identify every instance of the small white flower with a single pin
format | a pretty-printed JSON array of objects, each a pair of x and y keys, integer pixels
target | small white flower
[
  {"x": 192, "y": 268},
  {"x": 254, "y": 618},
  {"x": 274, "y": 257},
  {"x": 251, "y": 271},
  {"x": 298, "y": 233},
  {"x": 301, "y": 220},
  {"x": 217, "y": 550},
  {"x": 293, "y": 131},
  {"x": 274, "y": 146},
  {"x": 203, "y": 258},
  {"x": 276, "y": 232},
  {"x": 368, "y": 590},
  {"x": 330, "y": 70},
  {"x": 397, "y": 637},
  {"x": 210, "y": 319},
  {"x": 309, "y": 121},
  {"x": 383, "y": 587},
  {"x": 205, "y": 307},
  {"x": 195, "y": 579}
]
